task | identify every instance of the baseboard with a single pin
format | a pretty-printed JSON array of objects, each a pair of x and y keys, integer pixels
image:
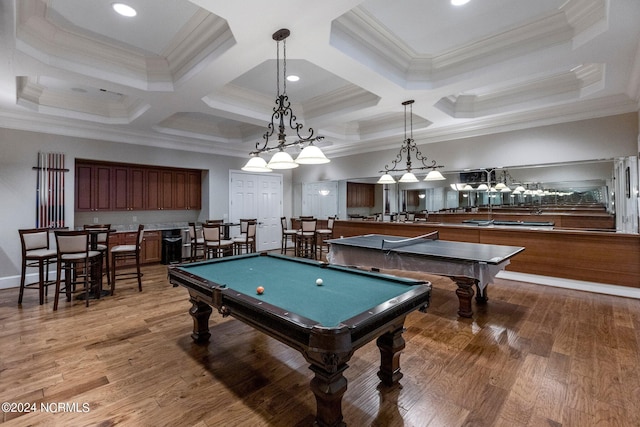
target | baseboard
[
  {"x": 579, "y": 285},
  {"x": 14, "y": 281}
]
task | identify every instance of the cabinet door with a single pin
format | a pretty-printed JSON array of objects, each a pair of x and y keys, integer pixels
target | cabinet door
[
  {"x": 194, "y": 198},
  {"x": 151, "y": 247},
  {"x": 180, "y": 190},
  {"x": 136, "y": 189},
  {"x": 93, "y": 187},
  {"x": 166, "y": 188},
  {"x": 102, "y": 188},
  {"x": 84, "y": 181},
  {"x": 154, "y": 192},
  {"x": 120, "y": 188}
]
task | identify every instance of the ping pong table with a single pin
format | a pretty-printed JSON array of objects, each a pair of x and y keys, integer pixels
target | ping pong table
[{"x": 468, "y": 264}]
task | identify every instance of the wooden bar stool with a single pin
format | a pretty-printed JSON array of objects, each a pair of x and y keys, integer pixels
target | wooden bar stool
[
  {"x": 306, "y": 238},
  {"x": 81, "y": 265},
  {"x": 127, "y": 252},
  {"x": 36, "y": 254},
  {"x": 287, "y": 235}
]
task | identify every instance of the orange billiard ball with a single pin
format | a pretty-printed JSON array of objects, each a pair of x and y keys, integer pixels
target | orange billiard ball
[{"x": 259, "y": 290}]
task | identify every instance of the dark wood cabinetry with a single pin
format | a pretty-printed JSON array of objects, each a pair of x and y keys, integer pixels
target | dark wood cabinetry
[
  {"x": 361, "y": 195},
  {"x": 93, "y": 187},
  {"x": 119, "y": 187}
]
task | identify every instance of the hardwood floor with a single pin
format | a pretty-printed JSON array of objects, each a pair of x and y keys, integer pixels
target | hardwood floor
[{"x": 533, "y": 356}]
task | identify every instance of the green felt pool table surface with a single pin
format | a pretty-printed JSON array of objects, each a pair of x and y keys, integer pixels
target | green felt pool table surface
[{"x": 292, "y": 286}]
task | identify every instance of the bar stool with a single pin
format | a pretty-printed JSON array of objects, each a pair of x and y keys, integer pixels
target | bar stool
[
  {"x": 36, "y": 253},
  {"x": 287, "y": 235},
  {"x": 101, "y": 239},
  {"x": 126, "y": 252},
  {"x": 325, "y": 234},
  {"x": 81, "y": 265},
  {"x": 306, "y": 239}
]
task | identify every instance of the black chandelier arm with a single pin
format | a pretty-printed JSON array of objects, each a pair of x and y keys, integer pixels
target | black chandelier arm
[{"x": 280, "y": 111}]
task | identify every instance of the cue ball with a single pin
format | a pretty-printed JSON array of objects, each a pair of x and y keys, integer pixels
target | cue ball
[
  {"x": 319, "y": 282},
  {"x": 259, "y": 290}
]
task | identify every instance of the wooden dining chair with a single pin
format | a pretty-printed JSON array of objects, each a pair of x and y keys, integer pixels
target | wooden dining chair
[
  {"x": 215, "y": 245},
  {"x": 247, "y": 238},
  {"x": 197, "y": 242}
]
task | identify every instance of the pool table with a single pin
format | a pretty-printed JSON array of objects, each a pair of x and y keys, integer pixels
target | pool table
[{"x": 326, "y": 322}]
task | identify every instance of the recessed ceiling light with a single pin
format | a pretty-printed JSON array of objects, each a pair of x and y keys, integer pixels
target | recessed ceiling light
[
  {"x": 459, "y": 2},
  {"x": 293, "y": 78},
  {"x": 124, "y": 10}
]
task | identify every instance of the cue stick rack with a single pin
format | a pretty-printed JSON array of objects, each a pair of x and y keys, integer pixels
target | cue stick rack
[{"x": 50, "y": 190}]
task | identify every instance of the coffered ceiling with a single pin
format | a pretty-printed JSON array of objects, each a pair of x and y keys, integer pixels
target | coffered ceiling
[{"x": 201, "y": 75}]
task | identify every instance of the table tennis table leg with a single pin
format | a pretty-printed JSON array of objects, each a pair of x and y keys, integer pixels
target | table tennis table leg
[
  {"x": 465, "y": 294},
  {"x": 481, "y": 295}
]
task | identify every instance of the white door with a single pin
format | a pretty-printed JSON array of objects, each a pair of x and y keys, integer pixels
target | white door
[{"x": 257, "y": 196}]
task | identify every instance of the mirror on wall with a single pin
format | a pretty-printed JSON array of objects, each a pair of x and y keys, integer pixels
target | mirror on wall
[{"x": 577, "y": 183}]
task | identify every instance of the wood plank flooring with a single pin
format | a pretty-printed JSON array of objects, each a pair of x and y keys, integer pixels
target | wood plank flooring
[{"x": 533, "y": 356}]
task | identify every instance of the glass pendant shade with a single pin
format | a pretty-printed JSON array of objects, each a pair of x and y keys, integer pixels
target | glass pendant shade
[
  {"x": 500, "y": 186},
  {"x": 256, "y": 164},
  {"x": 408, "y": 177},
  {"x": 482, "y": 187},
  {"x": 311, "y": 155},
  {"x": 434, "y": 175},
  {"x": 386, "y": 179},
  {"x": 520, "y": 188},
  {"x": 282, "y": 160}
]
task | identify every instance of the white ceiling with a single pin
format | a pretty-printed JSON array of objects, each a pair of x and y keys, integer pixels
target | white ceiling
[{"x": 201, "y": 75}]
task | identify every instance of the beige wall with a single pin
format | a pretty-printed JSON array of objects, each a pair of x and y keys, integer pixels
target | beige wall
[{"x": 18, "y": 156}]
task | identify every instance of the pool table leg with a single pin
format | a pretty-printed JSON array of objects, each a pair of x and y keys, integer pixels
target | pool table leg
[
  {"x": 328, "y": 387},
  {"x": 390, "y": 345},
  {"x": 200, "y": 312},
  {"x": 465, "y": 295}
]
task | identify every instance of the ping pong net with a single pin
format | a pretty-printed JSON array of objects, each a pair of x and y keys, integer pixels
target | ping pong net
[{"x": 394, "y": 244}]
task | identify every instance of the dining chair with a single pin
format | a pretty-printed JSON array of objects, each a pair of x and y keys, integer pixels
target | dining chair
[
  {"x": 214, "y": 244},
  {"x": 127, "y": 252},
  {"x": 247, "y": 238},
  {"x": 81, "y": 265},
  {"x": 36, "y": 253},
  {"x": 197, "y": 242}
]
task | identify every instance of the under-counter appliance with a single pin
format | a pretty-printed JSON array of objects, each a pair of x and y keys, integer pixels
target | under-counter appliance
[{"x": 171, "y": 246}]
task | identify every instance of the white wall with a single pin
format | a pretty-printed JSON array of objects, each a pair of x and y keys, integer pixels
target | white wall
[{"x": 18, "y": 156}]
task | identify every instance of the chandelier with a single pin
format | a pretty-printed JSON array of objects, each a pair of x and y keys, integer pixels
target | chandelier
[
  {"x": 409, "y": 146},
  {"x": 283, "y": 113}
]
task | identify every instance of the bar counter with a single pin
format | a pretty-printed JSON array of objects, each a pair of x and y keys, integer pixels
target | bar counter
[{"x": 592, "y": 256}]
